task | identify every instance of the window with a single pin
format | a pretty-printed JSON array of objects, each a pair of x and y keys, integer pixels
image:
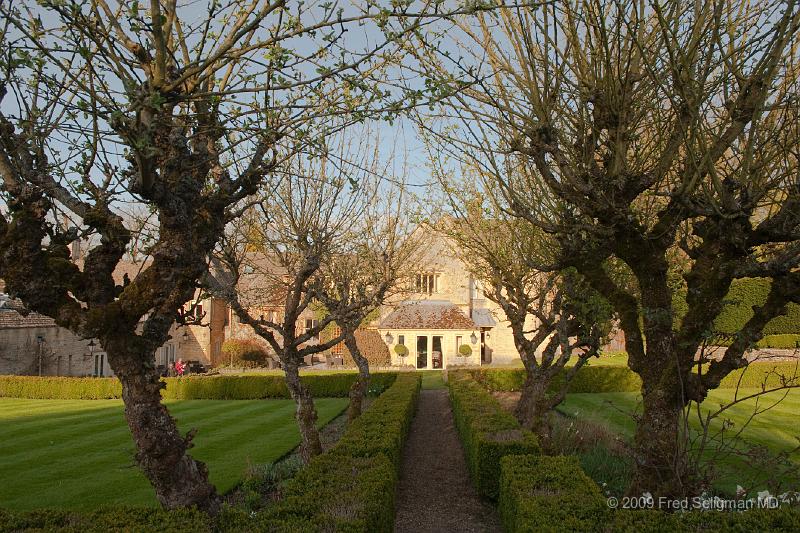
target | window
[
  {"x": 427, "y": 283},
  {"x": 401, "y": 339},
  {"x": 99, "y": 363},
  {"x": 477, "y": 290},
  {"x": 167, "y": 354},
  {"x": 458, "y": 342},
  {"x": 310, "y": 324},
  {"x": 198, "y": 310}
]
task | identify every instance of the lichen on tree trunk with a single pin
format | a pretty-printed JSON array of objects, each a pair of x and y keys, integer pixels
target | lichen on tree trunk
[
  {"x": 306, "y": 412},
  {"x": 178, "y": 479},
  {"x": 660, "y": 446},
  {"x": 534, "y": 405}
]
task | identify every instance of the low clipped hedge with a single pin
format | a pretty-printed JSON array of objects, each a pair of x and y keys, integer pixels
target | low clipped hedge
[
  {"x": 122, "y": 518},
  {"x": 352, "y": 486},
  {"x": 786, "y": 341},
  {"x": 188, "y": 388},
  {"x": 553, "y": 494},
  {"x": 487, "y": 431},
  {"x": 597, "y": 379},
  {"x": 548, "y": 493}
]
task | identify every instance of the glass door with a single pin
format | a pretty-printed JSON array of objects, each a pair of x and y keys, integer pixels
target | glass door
[
  {"x": 422, "y": 352},
  {"x": 436, "y": 352}
]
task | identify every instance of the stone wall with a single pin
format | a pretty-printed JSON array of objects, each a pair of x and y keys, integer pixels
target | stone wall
[{"x": 62, "y": 353}]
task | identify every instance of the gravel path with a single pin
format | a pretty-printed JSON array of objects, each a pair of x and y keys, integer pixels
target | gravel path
[{"x": 435, "y": 493}]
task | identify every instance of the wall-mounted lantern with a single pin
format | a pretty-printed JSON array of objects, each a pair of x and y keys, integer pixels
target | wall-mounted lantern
[
  {"x": 473, "y": 338},
  {"x": 388, "y": 338}
]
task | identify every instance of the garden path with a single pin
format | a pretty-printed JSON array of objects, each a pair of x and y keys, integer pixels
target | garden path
[{"x": 436, "y": 494}]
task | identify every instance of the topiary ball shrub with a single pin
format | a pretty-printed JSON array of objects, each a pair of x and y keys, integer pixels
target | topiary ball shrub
[
  {"x": 401, "y": 350},
  {"x": 464, "y": 350}
]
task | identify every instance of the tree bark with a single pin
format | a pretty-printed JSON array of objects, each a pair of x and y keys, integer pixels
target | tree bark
[
  {"x": 660, "y": 445},
  {"x": 306, "y": 413},
  {"x": 358, "y": 392},
  {"x": 534, "y": 405},
  {"x": 178, "y": 479}
]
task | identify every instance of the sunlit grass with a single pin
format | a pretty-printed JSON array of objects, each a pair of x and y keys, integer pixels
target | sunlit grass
[{"x": 78, "y": 454}]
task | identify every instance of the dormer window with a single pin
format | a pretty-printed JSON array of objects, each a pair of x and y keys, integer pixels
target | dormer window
[{"x": 427, "y": 283}]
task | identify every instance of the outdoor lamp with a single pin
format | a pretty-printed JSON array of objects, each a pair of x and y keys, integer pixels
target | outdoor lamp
[
  {"x": 474, "y": 338},
  {"x": 388, "y": 338},
  {"x": 91, "y": 346},
  {"x": 185, "y": 335}
]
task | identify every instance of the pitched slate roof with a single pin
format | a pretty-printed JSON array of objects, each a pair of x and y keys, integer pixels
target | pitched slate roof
[
  {"x": 428, "y": 314},
  {"x": 12, "y": 315}
]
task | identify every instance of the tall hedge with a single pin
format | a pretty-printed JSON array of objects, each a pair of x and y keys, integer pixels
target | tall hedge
[
  {"x": 743, "y": 295},
  {"x": 334, "y": 385}
]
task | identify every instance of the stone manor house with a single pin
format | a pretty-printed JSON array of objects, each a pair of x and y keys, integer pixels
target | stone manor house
[{"x": 443, "y": 308}]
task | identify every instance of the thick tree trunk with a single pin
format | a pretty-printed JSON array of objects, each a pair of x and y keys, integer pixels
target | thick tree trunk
[
  {"x": 306, "y": 413},
  {"x": 534, "y": 405},
  {"x": 178, "y": 480},
  {"x": 660, "y": 444},
  {"x": 358, "y": 392}
]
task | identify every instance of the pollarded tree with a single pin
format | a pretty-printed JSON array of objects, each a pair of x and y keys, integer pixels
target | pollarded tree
[
  {"x": 554, "y": 315},
  {"x": 270, "y": 267},
  {"x": 373, "y": 266},
  {"x": 182, "y": 111},
  {"x": 633, "y": 130}
]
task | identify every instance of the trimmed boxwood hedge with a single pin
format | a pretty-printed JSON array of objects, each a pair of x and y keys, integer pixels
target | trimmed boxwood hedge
[
  {"x": 553, "y": 494},
  {"x": 487, "y": 431},
  {"x": 743, "y": 295},
  {"x": 623, "y": 379},
  {"x": 349, "y": 488},
  {"x": 352, "y": 486},
  {"x": 544, "y": 493},
  {"x": 336, "y": 385},
  {"x": 122, "y": 518}
]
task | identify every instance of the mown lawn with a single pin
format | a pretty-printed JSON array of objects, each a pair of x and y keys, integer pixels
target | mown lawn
[
  {"x": 78, "y": 454},
  {"x": 777, "y": 429}
]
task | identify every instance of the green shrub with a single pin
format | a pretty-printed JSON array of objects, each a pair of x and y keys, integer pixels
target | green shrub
[
  {"x": 541, "y": 493},
  {"x": 382, "y": 428},
  {"x": 553, "y": 494},
  {"x": 60, "y": 388},
  {"x": 488, "y": 432},
  {"x": 587, "y": 379},
  {"x": 401, "y": 350},
  {"x": 352, "y": 486},
  {"x": 336, "y": 385},
  {"x": 244, "y": 352},
  {"x": 785, "y": 341},
  {"x": 743, "y": 295},
  {"x": 622, "y": 379},
  {"x": 139, "y": 519},
  {"x": 465, "y": 350}
]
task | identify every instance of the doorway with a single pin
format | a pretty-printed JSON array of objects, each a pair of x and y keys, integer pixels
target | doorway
[
  {"x": 422, "y": 352},
  {"x": 436, "y": 352}
]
